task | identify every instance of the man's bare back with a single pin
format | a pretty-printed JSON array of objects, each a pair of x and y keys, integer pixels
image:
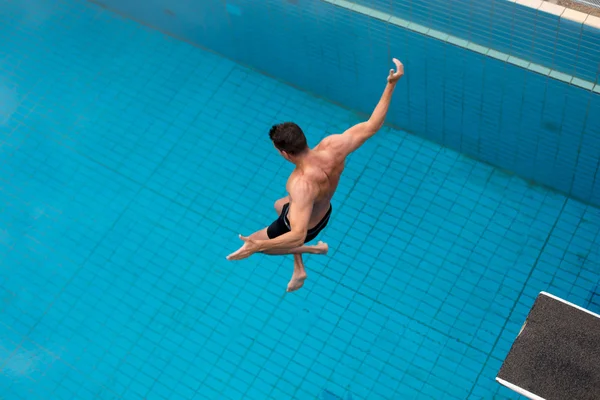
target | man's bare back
[
  {"x": 306, "y": 210},
  {"x": 323, "y": 168}
]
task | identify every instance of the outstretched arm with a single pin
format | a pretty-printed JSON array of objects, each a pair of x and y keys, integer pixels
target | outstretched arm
[{"x": 358, "y": 134}]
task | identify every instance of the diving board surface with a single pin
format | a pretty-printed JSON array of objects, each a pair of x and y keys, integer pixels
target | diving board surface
[{"x": 557, "y": 353}]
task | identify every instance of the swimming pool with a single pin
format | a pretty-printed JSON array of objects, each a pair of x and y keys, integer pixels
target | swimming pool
[{"x": 131, "y": 161}]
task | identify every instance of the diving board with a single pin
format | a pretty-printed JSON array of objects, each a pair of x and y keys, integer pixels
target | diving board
[{"x": 556, "y": 355}]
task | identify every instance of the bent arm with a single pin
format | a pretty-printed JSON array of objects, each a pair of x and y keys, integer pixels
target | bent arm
[{"x": 301, "y": 205}]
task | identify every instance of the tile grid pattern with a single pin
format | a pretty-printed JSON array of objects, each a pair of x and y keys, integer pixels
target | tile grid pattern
[
  {"x": 126, "y": 177},
  {"x": 477, "y": 112},
  {"x": 534, "y": 30},
  {"x": 467, "y": 45}
]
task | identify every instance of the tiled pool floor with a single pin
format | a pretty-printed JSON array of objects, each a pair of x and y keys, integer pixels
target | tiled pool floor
[{"x": 129, "y": 162}]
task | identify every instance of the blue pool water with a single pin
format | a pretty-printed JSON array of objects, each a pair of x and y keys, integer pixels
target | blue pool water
[{"x": 129, "y": 163}]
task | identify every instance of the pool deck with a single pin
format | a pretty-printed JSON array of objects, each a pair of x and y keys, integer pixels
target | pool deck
[
  {"x": 578, "y": 6},
  {"x": 130, "y": 161}
]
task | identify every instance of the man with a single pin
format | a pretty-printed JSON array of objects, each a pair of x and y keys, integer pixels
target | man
[{"x": 307, "y": 208}]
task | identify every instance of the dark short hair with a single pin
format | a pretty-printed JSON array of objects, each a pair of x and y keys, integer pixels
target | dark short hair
[{"x": 288, "y": 137}]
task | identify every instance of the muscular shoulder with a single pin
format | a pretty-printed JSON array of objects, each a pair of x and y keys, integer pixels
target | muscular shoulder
[
  {"x": 332, "y": 147},
  {"x": 329, "y": 142},
  {"x": 303, "y": 188}
]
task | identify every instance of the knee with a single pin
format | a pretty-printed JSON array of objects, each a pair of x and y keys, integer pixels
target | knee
[{"x": 279, "y": 205}]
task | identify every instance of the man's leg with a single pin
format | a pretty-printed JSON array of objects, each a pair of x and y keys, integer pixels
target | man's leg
[
  {"x": 280, "y": 203},
  {"x": 299, "y": 275},
  {"x": 320, "y": 248}
]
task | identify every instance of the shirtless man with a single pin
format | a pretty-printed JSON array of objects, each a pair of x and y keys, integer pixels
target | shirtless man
[{"x": 307, "y": 208}]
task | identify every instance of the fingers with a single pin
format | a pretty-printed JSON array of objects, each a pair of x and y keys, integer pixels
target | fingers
[
  {"x": 235, "y": 255},
  {"x": 398, "y": 64},
  {"x": 395, "y": 75}
]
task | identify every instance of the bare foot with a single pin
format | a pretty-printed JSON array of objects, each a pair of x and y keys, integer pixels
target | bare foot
[
  {"x": 322, "y": 248},
  {"x": 296, "y": 282}
]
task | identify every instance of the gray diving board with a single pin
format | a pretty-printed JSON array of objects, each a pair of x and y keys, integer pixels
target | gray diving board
[{"x": 556, "y": 356}]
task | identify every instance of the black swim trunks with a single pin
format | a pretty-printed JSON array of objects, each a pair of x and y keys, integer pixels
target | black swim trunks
[{"x": 282, "y": 225}]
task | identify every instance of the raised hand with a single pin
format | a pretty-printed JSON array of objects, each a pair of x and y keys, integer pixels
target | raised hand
[{"x": 395, "y": 75}]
